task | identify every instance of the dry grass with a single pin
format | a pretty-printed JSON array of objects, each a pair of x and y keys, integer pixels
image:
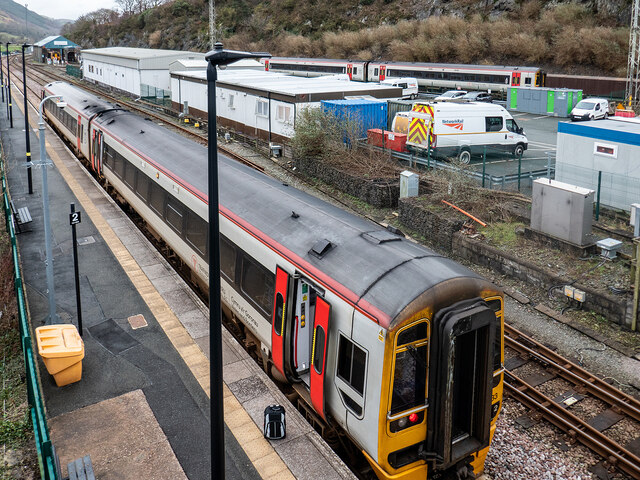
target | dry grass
[{"x": 563, "y": 36}]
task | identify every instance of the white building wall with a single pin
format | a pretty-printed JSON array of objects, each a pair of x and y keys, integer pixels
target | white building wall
[
  {"x": 117, "y": 76},
  {"x": 577, "y": 163},
  {"x": 156, "y": 78}
]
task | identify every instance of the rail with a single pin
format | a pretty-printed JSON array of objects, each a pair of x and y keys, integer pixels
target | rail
[
  {"x": 45, "y": 449},
  {"x": 557, "y": 414}
]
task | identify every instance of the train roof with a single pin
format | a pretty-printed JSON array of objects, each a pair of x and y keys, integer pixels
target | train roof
[
  {"x": 413, "y": 64},
  {"x": 84, "y": 102},
  {"x": 377, "y": 270}
]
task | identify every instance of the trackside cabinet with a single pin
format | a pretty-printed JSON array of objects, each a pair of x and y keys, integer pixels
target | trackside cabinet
[{"x": 62, "y": 351}]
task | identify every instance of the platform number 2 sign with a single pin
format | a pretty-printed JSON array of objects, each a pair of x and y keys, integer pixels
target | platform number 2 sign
[{"x": 74, "y": 218}]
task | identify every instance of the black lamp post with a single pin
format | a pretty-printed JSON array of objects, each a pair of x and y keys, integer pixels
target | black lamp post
[
  {"x": 10, "y": 107},
  {"x": 26, "y": 120},
  {"x": 217, "y": 57}
]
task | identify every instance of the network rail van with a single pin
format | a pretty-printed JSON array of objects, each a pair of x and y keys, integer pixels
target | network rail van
[{"x": 460, "y": 129}]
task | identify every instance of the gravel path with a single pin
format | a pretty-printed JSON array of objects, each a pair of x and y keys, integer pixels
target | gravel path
[{"x": 540, "y": 452}]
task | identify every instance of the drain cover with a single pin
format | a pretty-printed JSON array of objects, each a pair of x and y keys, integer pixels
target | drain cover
[
  {"x": 86, "y": 240},
  {"x": 137, "y": 321}
]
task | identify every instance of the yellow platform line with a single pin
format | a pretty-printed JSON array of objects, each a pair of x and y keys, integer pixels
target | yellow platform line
[{"x": 265, "y": 459}]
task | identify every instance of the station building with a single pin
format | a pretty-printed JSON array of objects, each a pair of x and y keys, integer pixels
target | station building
[
  {"x": 137, "y": 71},
  {"x": 604, "y": 155},
  {"x": 263, "y": 104},
  {"x": 55, "y": 49}
]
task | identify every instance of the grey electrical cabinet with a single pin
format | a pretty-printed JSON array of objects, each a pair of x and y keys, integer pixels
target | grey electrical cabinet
[
  {"x": 409, "y": 184},
  {"x": 562, "y": 210}
]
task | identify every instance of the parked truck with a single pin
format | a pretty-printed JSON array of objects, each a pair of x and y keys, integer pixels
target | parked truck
[{"x": 460, "y": 129}]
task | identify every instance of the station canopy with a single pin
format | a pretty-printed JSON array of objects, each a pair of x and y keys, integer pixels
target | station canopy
[{"x": 55, "y": 42}]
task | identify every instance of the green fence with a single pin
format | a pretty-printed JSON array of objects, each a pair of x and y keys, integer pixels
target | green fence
[
  {"x": 74, "y": 71},
  {"x": 46, "y": 454}
]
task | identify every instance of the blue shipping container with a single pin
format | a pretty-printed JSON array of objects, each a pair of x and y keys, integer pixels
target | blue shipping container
[{"x": 365, "y": 113}]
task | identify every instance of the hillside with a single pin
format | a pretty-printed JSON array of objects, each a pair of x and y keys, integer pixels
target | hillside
[
  {"x": 14, "y": 19},
  {"x": 589, "y": 37}
]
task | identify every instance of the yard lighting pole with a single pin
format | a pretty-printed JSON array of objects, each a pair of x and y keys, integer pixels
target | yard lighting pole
[
  {"x": 53, "y": 318},
  {"x": 26, "y": 120},
  {"x": 9, "y": 89},
  {"x": 218, "y": 57}
]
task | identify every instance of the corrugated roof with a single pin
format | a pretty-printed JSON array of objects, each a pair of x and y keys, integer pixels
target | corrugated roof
[
  {"x": 286, "y": 84},
  {"x": 138, "y": 53},
  {"x": 45, "y": 41}
]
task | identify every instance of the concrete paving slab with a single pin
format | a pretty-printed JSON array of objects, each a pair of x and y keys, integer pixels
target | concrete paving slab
[
  {"x": 194, "y": 321},
  {"x": 97, "y": 430}
]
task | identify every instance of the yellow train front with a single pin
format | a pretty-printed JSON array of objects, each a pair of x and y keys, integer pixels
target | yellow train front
[{"x": 441, "y": 384}]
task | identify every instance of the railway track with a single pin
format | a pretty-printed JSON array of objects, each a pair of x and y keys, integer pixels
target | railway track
[
  {"x": 574, "y": 384},
  {"x": 556, "y": 410},
  {"x": 41, "y": 75}
]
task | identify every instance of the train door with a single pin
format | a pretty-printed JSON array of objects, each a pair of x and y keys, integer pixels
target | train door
[
  {"x": 266, "y": 65},
  {"x": 350, "y": 71},
  {"x": 515, "y": 79},
  {"x": 78, "y": 133},
  {"x": 299, "y": 334},
  {"x": 459, "y": 382},
  {"x": 382, "y": 72},
  {"x": 96, "y": 151},
  {"x": 278, "y": 320}
]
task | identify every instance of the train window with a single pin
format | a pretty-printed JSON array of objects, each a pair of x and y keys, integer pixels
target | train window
[
  {"x": 318, "y": 349},
  {"x": 108, "y": 157},
  {"x": 174, "y": 214},
  {"x": 352, "y": 364},
  {"x": 355, "y": 70},
  {"x": 227, "y": 259},
  {"x": 494, "y": 124},
  {"x": 130, "y": 175},
  {"x": 257, "y": 284},
  {"x": 197, "y": 232},
  {"x": 413, "y": 334},
  {"x": 527, "y": 81},
  {"x": 156, "y": 199},
  {"x": 142, "y": 186},
  {"x": 375, "y": 72},
  {"x": 118, "y": 164},
  {"x": 410, "y": 378}
]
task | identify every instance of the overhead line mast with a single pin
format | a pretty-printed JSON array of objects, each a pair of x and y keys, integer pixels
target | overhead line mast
[{"x": 632, "y": 90}]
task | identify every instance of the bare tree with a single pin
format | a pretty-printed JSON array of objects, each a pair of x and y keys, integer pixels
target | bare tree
[{"x": 127, "y": 6}]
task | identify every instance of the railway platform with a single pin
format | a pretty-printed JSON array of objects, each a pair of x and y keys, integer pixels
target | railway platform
[{"x": 141, "y": 409}]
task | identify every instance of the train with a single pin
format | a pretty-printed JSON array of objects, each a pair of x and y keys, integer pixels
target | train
[
  {"x": 386, "y": 342},
  {"x": 430, "y": 76}
]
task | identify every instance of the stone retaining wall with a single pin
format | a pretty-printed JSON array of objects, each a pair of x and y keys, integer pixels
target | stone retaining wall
[
  {"x": 381, "y": 193},
  {"x": 613, "y": 308},
  {"x": 435, "y": 227},
  {"x": 443, "y": 230}
]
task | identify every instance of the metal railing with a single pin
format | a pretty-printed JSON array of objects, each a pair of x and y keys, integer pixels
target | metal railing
[
  {"x": 44, "y": 447},
  {"x": 521, "y": 180}
]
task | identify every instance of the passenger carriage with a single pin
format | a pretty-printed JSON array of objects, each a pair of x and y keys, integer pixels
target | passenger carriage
[{"x": 386, "y": 341}]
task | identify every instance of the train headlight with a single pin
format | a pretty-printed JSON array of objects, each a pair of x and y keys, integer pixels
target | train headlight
[
  {"x": 413, "y": 418},
  {"x": 402, "y": 423}
]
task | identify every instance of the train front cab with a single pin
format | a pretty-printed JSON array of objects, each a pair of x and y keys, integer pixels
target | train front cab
[{"x": 444, "y": 391}]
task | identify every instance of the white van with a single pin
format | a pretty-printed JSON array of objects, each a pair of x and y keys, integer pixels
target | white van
[
  {"x": 590, "y": 109},
  {"x": 461, "y": 129},
  {"x": 409, "y": 85}
]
